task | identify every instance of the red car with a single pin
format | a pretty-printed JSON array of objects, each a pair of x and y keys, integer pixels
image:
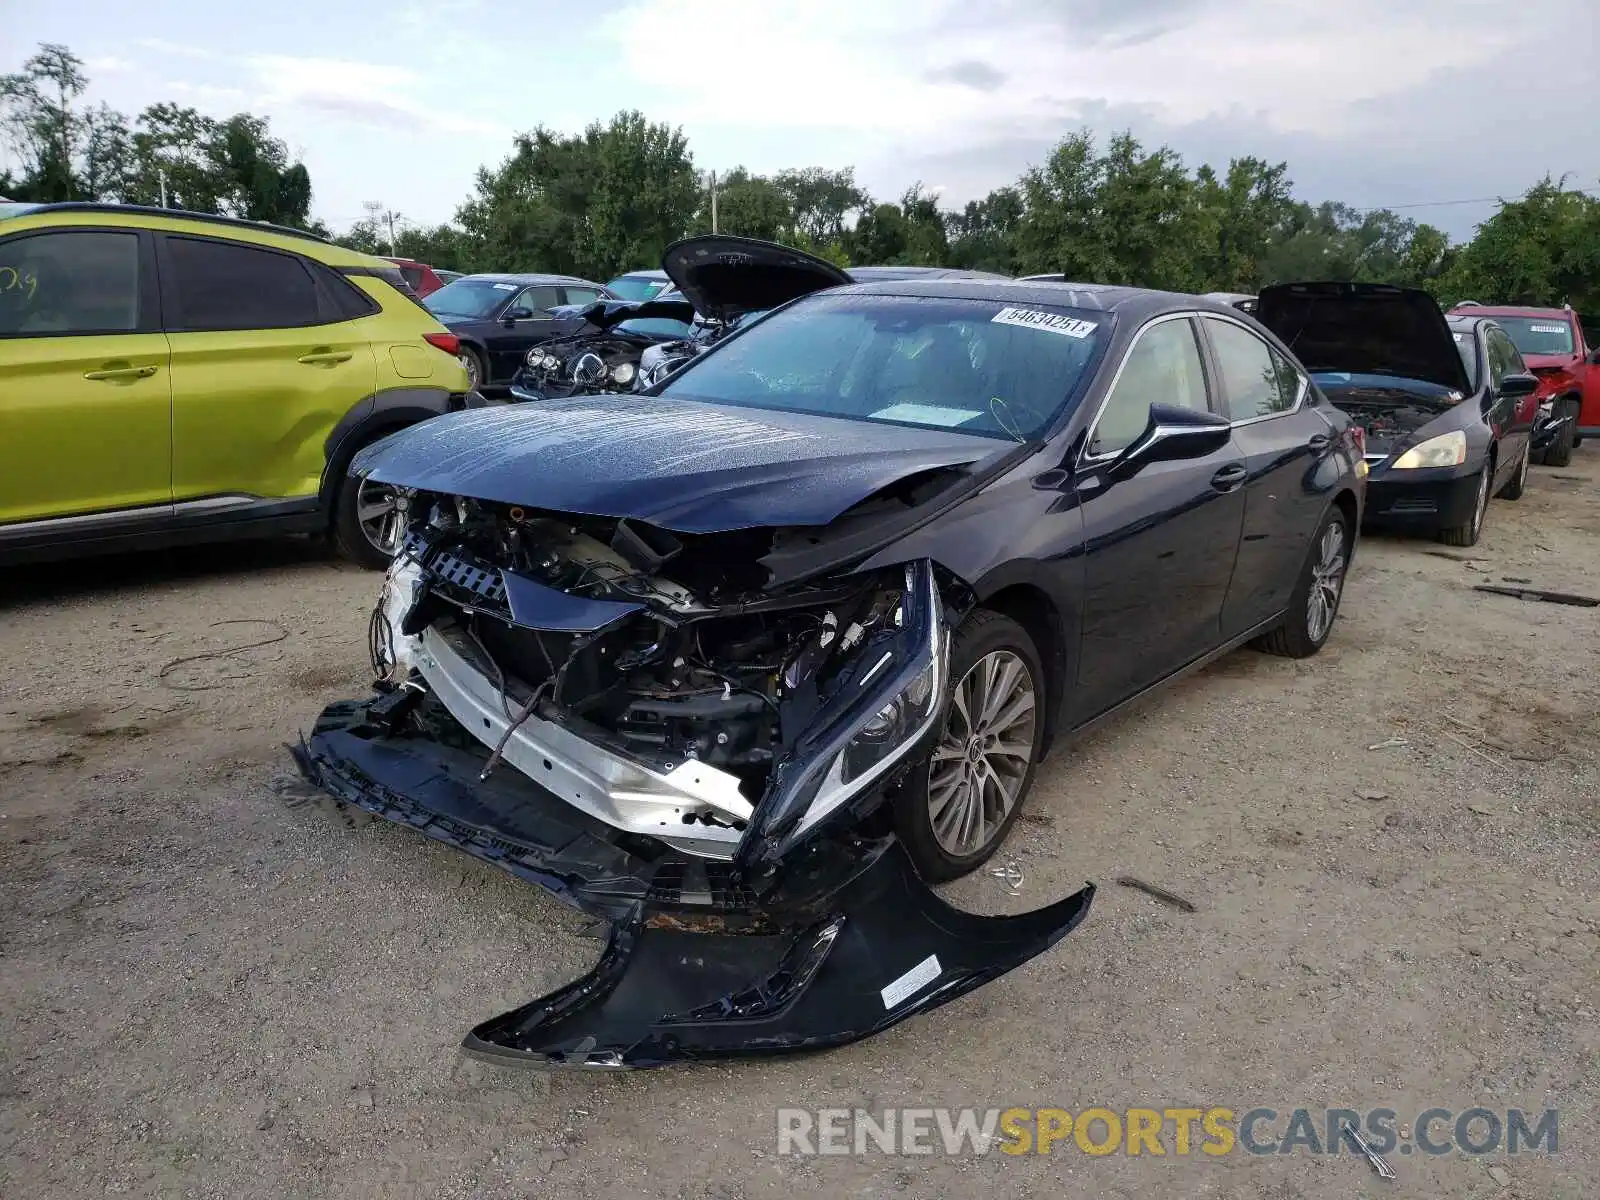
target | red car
[
  {"x": 1568, "y": 369},
  {"x": 420, "y": 276}
]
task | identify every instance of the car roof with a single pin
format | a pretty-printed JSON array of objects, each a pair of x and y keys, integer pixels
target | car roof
[
  {"x": 508, "y": 277},
  {"x": 169, "y": 214},
  {"x": 872, "y": 274},
  {"x": 1133, "y": 302},
  {"x": 1510, "y": 310}
]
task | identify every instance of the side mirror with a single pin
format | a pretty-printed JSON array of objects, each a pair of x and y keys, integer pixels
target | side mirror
[
  {"x": 518, "y": 314},
  {"x": 1515, "y": 387},
  {"x": 1173, "y": 433}
]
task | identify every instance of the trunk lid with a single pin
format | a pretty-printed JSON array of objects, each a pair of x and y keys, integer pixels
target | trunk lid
[
  {"x": 726, "y": 277},
  {"x": 1365, "y": 329}
]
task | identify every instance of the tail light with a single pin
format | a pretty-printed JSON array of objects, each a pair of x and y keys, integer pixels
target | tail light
[
  {"x": 1359, "y": 436},
  {"x": 448, "y": 342}
]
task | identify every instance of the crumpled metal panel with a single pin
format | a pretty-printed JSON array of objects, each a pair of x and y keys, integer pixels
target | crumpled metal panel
[{"x": 682, "y": 465}]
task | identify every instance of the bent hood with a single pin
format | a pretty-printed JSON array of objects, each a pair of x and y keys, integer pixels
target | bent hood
[
  {"x": 1364, "y": 329},
  {"x": 678, "y": 464},
  {"x": 726, "y": 277}
]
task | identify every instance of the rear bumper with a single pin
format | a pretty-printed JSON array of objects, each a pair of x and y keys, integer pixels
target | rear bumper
[
  {"x": 702, "y": 962},
  {"x": 1431, "y": 498}
]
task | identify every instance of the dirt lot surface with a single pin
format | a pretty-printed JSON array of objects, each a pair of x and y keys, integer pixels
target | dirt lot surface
[{"x": 211, "y": 987}]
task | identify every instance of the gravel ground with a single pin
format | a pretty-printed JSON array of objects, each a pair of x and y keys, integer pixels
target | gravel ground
[{"x": 210, "y": 987}]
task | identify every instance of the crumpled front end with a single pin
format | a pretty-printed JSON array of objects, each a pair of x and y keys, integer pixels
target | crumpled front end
[{"x": 631, "y": 719}]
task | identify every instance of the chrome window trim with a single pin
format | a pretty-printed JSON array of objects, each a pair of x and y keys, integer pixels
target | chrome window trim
[
  {"x": 1087, "y": 459},
  {"x": 1300, "y": 374}
]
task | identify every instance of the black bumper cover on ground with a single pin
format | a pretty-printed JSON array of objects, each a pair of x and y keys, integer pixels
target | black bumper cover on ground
[{"x": 697, "y": 966}]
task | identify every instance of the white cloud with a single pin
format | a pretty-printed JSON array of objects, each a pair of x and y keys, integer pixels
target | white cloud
[
  {"x": 903, "y": 68},
  {"x": 108, "y": 64}
]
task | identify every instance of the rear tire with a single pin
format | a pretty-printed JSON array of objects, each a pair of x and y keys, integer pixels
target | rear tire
[
  {"x": 1468, "y": 534},
  {"x": 976, "y": 769},
  {"x": 1314, "y": 606},
  {"x": 1519, "y": 480},
  {"x": 472, "y": 363}
]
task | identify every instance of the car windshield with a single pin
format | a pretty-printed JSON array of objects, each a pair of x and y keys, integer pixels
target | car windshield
[
  {"x": 636, "y": 287},
  {"x": 470, "y": 298},
  {"x": 1538, "y": 335},
  {"x": 978, "y": 366},
  {"x": 1467, "y": 348}
]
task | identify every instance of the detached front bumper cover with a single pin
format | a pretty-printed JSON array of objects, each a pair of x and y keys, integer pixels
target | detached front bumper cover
[{"x": 698, "y": 966}]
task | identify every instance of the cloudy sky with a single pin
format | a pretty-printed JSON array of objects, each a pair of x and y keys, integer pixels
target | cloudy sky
[{"x": 1374, "y": 102}]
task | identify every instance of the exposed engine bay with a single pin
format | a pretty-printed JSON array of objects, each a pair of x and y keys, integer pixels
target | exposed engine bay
[
  {"x": 660, "y": 648},
  {"x": 593, "y": 363},
  {"x": 625, "y": 347},
  {"x": 1389, "y": 414}
]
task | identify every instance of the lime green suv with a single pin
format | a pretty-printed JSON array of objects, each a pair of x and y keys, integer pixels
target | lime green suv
[{"x": 171, "y": 377}]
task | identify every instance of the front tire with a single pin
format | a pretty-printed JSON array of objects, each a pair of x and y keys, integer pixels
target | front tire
[
  {"x": 1468, "y": 534},
  {"x": 367, "y": 523},
  {"x": 1314, "y": 606},
  {"x": 954, "y": 810},
  {"x": 1519, "y": 480},
  {"x": 1559, "y": 452}
]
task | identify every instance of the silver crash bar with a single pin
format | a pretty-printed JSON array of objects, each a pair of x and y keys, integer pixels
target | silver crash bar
[{"x": 620, "y": 791}]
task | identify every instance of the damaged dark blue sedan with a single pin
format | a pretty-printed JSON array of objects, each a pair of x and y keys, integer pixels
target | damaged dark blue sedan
[{"x": 744, "y": 663}]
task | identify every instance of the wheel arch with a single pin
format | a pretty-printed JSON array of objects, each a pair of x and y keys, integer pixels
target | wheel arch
[
  {"x": 374, "y": 417},
  {"x": 1345, "y": 501},
  {"x": 1030, "y": 606}
]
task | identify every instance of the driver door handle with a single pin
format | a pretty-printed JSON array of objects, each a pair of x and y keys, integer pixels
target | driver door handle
[
  {"x": 115, "y": 374},
  {"x": 326, "y": 358},
  {"x": 1229, "y": 477}
]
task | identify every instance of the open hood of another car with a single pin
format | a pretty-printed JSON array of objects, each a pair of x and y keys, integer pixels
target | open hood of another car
[
  {"x": 725, "y": 277},
  {"x": 1364, "y": 329}
]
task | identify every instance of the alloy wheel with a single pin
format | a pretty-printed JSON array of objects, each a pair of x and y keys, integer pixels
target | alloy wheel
[
  {"x": 378, "y": 513},
  {"x": 977, "y": 770},
  {"x": 1327, "y": 582},
  {"x": 469, "y": 363}
]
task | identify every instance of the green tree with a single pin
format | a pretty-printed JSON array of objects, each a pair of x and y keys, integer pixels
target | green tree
[
  {"x": 39, "y": 125},
  {"x": 608, "y": 200},
  {"x": 748, "y": 206},
  {"x": 982, "y": 236},
  {"x": 1543, "y": 248},
  {"x": 821, "y": 201}
]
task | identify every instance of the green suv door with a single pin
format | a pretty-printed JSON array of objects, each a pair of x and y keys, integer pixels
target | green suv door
[{"x": 86, "y": 390}]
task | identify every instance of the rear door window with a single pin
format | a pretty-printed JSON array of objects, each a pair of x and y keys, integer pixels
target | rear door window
[
  {"x": 414, "y": 276},
  {"x": 224, "y": 285},
  {"x": 580, "y": 295},
  {"x": 539, "y": 300},
  {"x": 75, "y": 282},
  {"x": 1260, "y": 382}
]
